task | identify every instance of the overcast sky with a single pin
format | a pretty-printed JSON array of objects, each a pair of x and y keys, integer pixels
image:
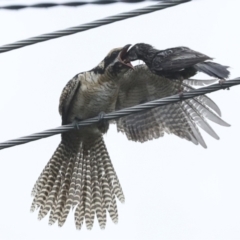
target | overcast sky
[{"x": 173, "y": 189}]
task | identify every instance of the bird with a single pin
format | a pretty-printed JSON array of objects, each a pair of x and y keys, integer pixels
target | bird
[
  {"x": 80, "y": 174},
  {"x": 176, "y": 62}
]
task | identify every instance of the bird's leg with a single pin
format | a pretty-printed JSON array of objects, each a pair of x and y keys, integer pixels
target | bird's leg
[
  {"x": 180, "y": 88},
  {"x": 181, "y": 95},
  {"x": 180, "y": 92},
  {"x": 75, "y": 123},
  {"x": 221, "y": 81},
  {"x": 103, "y": 124}
]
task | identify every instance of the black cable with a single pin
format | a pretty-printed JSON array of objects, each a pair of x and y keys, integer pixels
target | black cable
[
  {"x": 48, "y": 36},
  {"x": 123, "y": 112},
  {"x": 68, "y": 4}
]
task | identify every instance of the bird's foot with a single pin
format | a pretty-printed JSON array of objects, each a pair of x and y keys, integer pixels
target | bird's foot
[
  {"x": 75, "y": 123},
  {"x": 102, "y": 123},
  {"x": 101, "y": 116},
  {"x": 180, "y": 93},
  {"x": 221, "y": 82}
]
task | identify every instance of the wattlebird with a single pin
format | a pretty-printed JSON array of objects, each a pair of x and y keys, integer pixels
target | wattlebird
[{"x": 80, "y": 174}]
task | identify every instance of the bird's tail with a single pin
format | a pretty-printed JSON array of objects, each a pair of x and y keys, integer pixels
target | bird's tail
[
  {"x": 213, "y": 69},
  {"x": 79, "y": 175}
]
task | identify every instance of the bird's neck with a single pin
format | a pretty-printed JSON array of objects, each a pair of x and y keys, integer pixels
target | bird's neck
[
  {"x": 110, "y": 78},
  {"x": 147, "y": 57}
]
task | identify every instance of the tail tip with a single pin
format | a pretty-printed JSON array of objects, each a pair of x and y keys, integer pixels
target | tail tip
[{"x": 102, "y": 227}]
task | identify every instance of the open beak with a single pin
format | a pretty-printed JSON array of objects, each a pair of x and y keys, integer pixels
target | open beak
[{"x": 122, "y": 57}]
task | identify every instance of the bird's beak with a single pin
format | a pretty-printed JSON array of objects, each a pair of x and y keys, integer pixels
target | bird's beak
[{"x": 122, "y": 56}]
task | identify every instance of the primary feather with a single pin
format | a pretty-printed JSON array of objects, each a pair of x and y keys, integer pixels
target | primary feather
[{"x": 141, "y": 85}]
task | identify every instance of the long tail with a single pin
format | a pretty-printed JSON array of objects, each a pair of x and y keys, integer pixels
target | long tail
[
  {"x": 79, "y": 175},
  {"x": 213, "y": 69}
]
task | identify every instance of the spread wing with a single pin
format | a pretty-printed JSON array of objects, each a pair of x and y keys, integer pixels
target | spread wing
[
  {"x": 67, "y": 97},
  {"x": 182, "y": 118}
]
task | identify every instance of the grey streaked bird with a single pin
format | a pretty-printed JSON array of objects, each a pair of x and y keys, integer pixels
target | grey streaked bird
[{"x": 80, "y": 174}]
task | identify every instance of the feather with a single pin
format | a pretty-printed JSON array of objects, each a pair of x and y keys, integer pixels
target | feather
[
  {"x": 198, "y": 82},
  {"x": 213, "y": 69},
  {"x": 205, "y": 100},
  {"x": 187, "y": 111},
  {"x": 206, "y": 112},
  {"x": 199, "y": 120}
]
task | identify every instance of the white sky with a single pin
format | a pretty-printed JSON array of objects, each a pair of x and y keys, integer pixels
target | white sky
[{"x": 173, "y": 189}]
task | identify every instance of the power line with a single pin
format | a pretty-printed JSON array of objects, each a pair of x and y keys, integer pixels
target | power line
[
  {"x": 84, "y": 27},
  {"x": 122, "y": 112},
  {"x": 68, "y": 4}
]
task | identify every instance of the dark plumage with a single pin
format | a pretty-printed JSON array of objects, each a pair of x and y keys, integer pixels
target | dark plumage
[{"x": 179, "y": 62}]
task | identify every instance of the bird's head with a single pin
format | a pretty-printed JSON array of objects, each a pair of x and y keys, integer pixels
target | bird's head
[
  {"x": 138, "y": 52},
  {"x": 114, "y": 63}
]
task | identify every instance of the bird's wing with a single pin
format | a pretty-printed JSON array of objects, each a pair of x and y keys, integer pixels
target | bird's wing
[
  {"x": 141, "y": 85},
  {"x": 67, "y": 96},
  {"x": 174, "y": 59}
]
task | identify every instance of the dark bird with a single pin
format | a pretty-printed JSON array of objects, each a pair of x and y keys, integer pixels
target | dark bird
[
  {"x": 176, "y": 62},
  {"x": 80, "y": 174}
]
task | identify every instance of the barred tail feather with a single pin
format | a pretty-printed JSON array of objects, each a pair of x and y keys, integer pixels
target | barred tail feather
[
  {"x": 80, "y": 175},
  {"x": 80, "y": 209}
]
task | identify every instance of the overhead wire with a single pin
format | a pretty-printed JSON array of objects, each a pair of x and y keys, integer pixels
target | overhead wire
[
  {"x": 122, "y": 113},
  {"x": 97, "y": 23},
  {"x": 68, "y": 4}
]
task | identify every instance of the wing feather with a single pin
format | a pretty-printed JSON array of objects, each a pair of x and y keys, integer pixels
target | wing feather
[
  {"x": 174, "y": 59},
  {"x": 200, "y": 121},
  {"x": 198, "y": 82},
  {"x": 67, "y": 96},
  {"x": 181, "y": 119},
  {"x": 205, "y": 100}
]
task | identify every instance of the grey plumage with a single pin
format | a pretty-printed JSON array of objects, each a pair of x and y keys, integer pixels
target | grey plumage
[
  {"x": 80, "y": 174},
  {"x": 180, "y": 118}
]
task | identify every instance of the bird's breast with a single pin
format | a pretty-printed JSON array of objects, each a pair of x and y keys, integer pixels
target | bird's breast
[{"x": 94, "y": 97}]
